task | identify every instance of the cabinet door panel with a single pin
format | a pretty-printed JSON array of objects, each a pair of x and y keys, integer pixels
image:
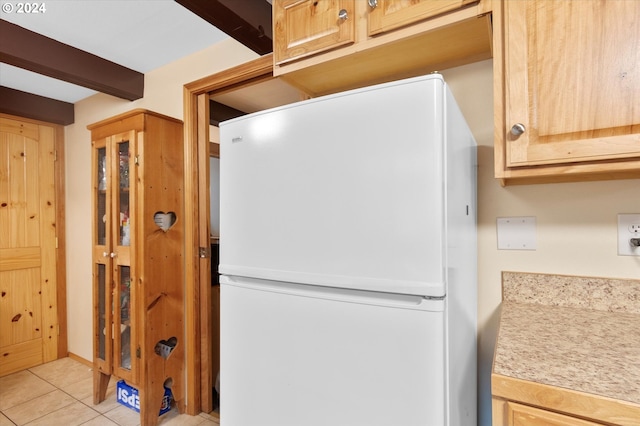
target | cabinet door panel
[
  {"x": 306, "y": 27},
  {"x": 571, "y": 78},
  {"x": 523, "y": 415},
  {"x": 392, "y": 14}
]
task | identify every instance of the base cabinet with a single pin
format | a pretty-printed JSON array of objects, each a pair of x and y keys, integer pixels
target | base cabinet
[
  {"x": 517, "y": 402},
  {"x": 138, "y": 272},
  {"x": 515, "y": 414}
]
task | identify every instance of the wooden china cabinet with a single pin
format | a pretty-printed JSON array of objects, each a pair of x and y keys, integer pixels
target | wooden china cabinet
[{"x": 138, "y": 268}]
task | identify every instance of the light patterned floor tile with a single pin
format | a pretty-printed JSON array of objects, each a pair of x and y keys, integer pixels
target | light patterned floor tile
[
  {"x": 38, "y": 407},
  {"x": 4, "y": 421},
  {"x": 108, "y": 404},
  {"x": 71, "y": 415},
  {"x": 21, "y": 387},
  {"x": 173, "y": 418},
  {"x": 60, "y": 393},
  {"x": 123, "y": 416},
  {"x": 81, "y": 389},
  {"x": 62, "y": 372},
  {"x": 100, "y": 421}
]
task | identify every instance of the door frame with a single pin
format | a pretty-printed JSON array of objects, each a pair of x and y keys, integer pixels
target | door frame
[
  {"x": 199, "y": 379},
  {"x": 60, "y": 230}
]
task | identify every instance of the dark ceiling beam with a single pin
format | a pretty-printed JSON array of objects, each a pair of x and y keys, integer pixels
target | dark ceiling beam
[
  {"x": 29, "y": 50},
  {"x": 220, "y": 112},
  {"x": 23, "y": 104},
  {"x": 248, "y": 21}
]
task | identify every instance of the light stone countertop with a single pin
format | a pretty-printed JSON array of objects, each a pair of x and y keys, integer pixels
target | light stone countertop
[{"x": 578, "y": 333}]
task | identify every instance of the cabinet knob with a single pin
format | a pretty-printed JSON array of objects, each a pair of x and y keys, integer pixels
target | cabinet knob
[
  {"x": 112, "y": 255},
  {"x": 518, "y": 129},
  {"x": 373, "y": 4},
  {"x": 343, "y": 15},
  {"x": 105, "y": 254}
]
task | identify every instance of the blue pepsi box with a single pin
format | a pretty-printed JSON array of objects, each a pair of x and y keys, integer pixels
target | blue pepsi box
[{"x": 128, "y": 396}]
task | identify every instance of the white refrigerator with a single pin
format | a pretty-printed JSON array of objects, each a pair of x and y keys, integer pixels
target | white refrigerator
[{"x": 348, "y": 260}]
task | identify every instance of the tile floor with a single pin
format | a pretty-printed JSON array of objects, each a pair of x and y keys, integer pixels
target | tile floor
[{"x": 61, "y": 393}]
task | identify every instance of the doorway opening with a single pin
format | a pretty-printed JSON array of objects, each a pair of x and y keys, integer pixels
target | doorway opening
[{"x": 247, "y": 88}]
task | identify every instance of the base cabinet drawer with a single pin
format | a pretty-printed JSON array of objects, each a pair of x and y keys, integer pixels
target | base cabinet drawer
[{"x": 523, "y": 415}]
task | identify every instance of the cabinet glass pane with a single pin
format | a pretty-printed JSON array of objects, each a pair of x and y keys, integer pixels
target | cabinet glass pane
[
  {"x": 102, "y": 328},
  {"x": 101, "y": 197},
  {"x": 125, "y": 317},
  {"x": 123, "y": 179}
]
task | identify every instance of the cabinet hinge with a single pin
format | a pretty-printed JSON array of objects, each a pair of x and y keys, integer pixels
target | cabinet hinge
[
  {"x": 56, "y": 242},
  {"x": 55, "y": 155},
  {"x": 136, "y": 161},
  {"x": 204, "y": 252},
  {"x": 138, "y": 352}
]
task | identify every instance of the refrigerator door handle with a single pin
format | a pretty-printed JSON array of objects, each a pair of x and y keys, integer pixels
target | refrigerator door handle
[{"x": 389, "y": 300}]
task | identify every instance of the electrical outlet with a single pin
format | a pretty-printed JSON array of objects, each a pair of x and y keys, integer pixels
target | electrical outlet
[{"x": 628, "y": 228}]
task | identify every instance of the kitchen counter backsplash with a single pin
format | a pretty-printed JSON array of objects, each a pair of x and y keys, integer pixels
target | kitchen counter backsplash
[{"x": 601, "y": 294}]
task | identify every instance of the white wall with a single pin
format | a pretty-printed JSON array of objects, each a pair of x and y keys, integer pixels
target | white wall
[{"x": 576, "y": 223}]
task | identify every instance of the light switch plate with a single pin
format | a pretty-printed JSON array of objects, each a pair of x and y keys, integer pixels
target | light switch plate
[
  {"x": 628, "y": 228},
  {"x": 517, "y": 233}
]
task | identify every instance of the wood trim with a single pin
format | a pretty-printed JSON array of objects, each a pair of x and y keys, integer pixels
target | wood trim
[
  {"x": 566, "y": 401},
  {"x": 258, "y": 70},
  {"x": 26, "y": 49},
  {"x": 206, "y": 379},
  {"x": 192, "y": 279},
  {"x": 79, "y": 359},
  {"x": 243, "y": 75},
  {"x": 61, "y": 254}
]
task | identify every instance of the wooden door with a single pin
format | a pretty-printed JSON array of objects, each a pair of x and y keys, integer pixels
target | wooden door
[
  {"x": 572, "y": 81},
  {"x": 306, "y": 27},
  {"x": 391, "y": 14},
  {"x": 523, "y": 415},
  {"x": 28, "y": 293}
]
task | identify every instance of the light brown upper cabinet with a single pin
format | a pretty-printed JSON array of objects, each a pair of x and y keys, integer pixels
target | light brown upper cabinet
[
  {"x": 328, "y": 46},
  {"x": 306, "y": 27},
  {"x": 568, "y": 91},
  {"x": 386, "y": 15}
]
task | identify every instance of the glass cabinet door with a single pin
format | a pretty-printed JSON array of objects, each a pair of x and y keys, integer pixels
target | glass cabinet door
[
  {"x": 123, "y": 344},
  {"x": 124, "y": 158},
  {"x": 102, "y": 260},
  {"x": 123, "y": 319},
  {"x": 114, "y": 345}
]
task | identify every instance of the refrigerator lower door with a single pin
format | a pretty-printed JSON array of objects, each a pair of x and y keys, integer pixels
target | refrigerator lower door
[{"x": 294, "y": 355}]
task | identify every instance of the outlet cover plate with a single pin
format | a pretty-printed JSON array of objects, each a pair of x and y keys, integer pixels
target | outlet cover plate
[{"x": 628, "y": 227}]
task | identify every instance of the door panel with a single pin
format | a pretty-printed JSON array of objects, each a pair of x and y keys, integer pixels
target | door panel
[
  {"x": 348, "y": 358},
  {"x": 306, "y": 27},
  {"x": 570, "y": 80},
  {"x": 28, "y": 308},
  {"x": 391, "y": 14}
]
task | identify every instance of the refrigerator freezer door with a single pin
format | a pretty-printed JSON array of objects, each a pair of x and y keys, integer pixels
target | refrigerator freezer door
[
  {"x": 302, "y": 355},
  {"x": 342, "y": 191}
]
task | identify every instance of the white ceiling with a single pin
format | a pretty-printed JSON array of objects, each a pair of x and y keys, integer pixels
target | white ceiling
[{"x": 139, "y": 34}]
